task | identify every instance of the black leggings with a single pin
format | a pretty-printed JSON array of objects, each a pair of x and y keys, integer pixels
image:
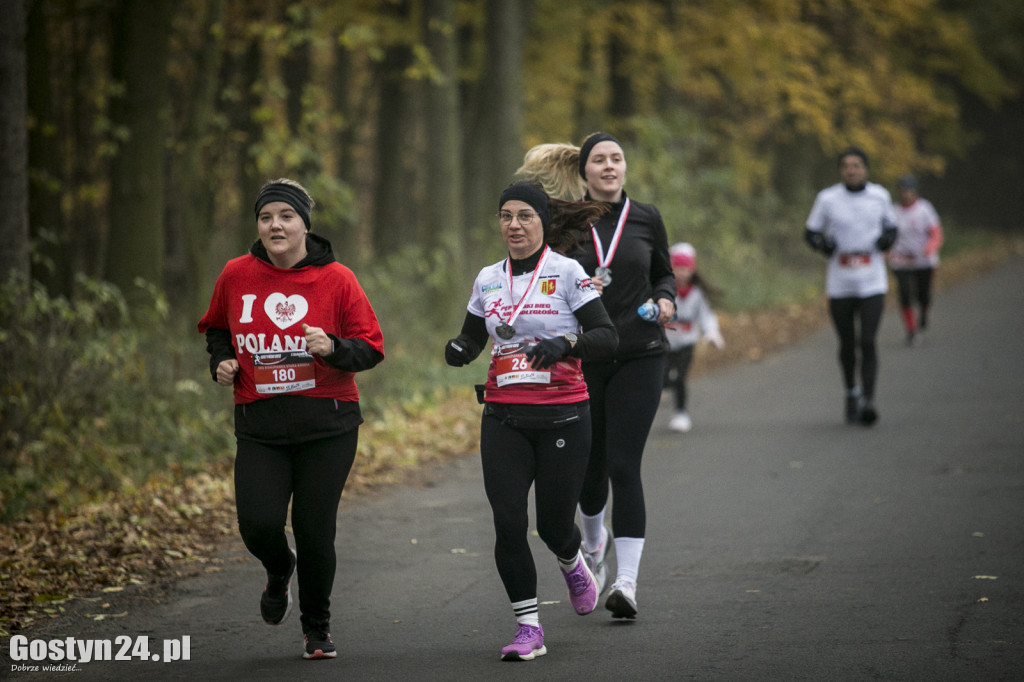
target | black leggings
[
  {"x": 845, "y": 313},
  {"x": 677, "y": 367},
  {"x": 551, "y": 460},
  {"x": 311, "y": 475},
  {"x": 915, "y": 286},
  {"x": 624, "y": 397}
]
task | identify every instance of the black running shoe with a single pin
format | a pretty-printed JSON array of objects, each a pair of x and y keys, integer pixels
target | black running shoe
[
  {"x": 852, "y": 408},
  {"x": 276, "y": 602},
  {"x": 868, "y": 413},
  {"x": 318, "y": 642}
]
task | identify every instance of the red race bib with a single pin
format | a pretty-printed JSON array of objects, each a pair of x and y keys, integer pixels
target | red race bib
[
  {"x": 514, "y": 368},
  {"x": 283, "y": 371}
]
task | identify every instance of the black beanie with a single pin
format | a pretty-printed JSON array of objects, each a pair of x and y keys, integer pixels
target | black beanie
[
  {"x": 588, "y": 145},
  {"x": 289, "y": 194},
  {"x": 527, "y": 192}
]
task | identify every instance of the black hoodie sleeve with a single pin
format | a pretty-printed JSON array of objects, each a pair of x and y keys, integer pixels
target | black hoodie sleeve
[
  {"x": 352, "y": 355},
  {"x": 218, "y": 345}
]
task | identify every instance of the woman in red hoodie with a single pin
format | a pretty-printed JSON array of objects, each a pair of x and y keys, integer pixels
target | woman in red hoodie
[{"x": 288, "y": 327}]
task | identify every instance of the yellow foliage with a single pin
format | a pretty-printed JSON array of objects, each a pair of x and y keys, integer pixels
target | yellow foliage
[{"x": 763, "y": 74}]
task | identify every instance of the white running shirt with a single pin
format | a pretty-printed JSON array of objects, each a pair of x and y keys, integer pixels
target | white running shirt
[
  {"x": 562, "y": 287},
  {"x": 693, "y": 317},
  {"x": 854, "y": 220},
  {"x": 916, "y": 223}
]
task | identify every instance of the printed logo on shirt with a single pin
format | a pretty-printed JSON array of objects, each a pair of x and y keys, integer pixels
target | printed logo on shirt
[
  {"x": 547, "y": 286},
  {"x": 494, "y": 308},
  {"x": 585, "y": 284},
  {"x": 487, "y": 288},
  {"x": 284, "y": 311}
]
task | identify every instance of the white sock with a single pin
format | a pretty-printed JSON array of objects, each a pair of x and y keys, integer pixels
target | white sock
[
  {"x": 593, "y": 531},
  {"x": 568, "y": 566},
  {"x": 627, "y": 557},
  {"x": 526, "y": 612}
]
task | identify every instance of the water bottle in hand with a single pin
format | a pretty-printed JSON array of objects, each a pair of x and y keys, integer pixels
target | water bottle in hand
[{"x": 649, "y": 311}]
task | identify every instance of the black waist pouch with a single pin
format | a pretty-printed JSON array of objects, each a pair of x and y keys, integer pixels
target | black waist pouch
[{"x": 537, "y": 416}]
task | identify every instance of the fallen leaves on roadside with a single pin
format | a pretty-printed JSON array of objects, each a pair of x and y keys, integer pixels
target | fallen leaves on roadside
[{"x": 154, "y": 533}]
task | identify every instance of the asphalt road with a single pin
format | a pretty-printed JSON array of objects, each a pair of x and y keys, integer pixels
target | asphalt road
[{"x": 782, "y": 543}]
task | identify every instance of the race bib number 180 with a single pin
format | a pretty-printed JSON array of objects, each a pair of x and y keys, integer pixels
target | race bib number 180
[{"x": 283, "y": 371}]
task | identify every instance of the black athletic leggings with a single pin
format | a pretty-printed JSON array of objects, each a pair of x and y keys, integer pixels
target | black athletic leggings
[
  {"x": 846, "y": 312},
  {"x": 915, "y": 286},
  {"x": 311, "y": 475},
  {"x": 624, "y": 397},
  {"x": 677, "y": 367},
  {"x": 551, "y": 460}
]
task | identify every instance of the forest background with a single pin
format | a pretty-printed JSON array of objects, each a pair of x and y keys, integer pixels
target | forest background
[{"x": 135, "y": 134}]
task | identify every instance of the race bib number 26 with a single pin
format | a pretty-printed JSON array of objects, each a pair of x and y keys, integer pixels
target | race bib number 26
[{"x": 515, "y": 369}]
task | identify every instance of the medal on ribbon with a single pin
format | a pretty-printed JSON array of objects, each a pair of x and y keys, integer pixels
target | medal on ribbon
[
  {"x": 505, "y": 330},
  {"x": 604, "y": 259}
]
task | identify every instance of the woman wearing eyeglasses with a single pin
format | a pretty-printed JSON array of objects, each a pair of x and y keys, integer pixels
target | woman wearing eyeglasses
[
  {"x": 627, "y": 251},
  {"x": 542, "y": 315}
]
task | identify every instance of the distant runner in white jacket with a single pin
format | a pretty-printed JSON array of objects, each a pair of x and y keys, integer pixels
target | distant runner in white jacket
[
  {"x": 693, "y": 318},
  {"x": 853, "y": 224},
  {"x": 915, "y": 255}
]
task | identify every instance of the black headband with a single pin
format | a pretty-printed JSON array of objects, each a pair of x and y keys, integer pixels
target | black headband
[
  {"x": 293, "y": 196},
  {"x": 526, "y": 192},
  {"x": 588, "y": 145}
]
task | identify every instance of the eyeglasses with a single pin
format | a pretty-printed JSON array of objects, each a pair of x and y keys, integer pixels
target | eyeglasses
[{"x": 524, "y": 217}]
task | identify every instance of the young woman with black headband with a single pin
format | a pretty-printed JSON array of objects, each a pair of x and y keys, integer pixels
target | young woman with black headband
[
  {"x": 287, "y": 328},
  {"x": 626, "y": 251}
]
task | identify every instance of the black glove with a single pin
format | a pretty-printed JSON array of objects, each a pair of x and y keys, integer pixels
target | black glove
[
  {"x": 460, "y": 351},
  {"x": 547, "y": 352},
  {"x": 820, "y": 242},
  {"x": 888, "y": 238}
]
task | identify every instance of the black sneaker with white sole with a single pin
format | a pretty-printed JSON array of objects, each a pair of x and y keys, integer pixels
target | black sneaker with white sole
[
  {"x": 868, "y": 413},
  {"x": 318, "y": 642},
  {"x": 851, "y": 407},
  {"x": 276, "y": 601}
]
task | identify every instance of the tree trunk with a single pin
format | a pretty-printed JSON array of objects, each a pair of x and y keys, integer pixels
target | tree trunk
[
  {"x": 441, "y": 213},
  {"x": 141, "y": 45},
  {"x": 621, "y": 93},
  {"x": 14, "y": 256},
  {"x": 442, "y": 207},
  {"x": 494, "y": 142},
  {"x": 195, "y": 198},
  {"x": 393, "y": 218},
  {"x": 44, "y": 166},
  {"x": 88, "y": 218}
]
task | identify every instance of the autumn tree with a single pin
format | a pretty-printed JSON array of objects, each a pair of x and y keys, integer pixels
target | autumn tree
[
  {"x": 191, "y": 214},
  {"x": 14, "y": 257},
  {"x": 442, "y": 201},
  {"x": 137, "y": 200},
  {"x": 495, "y": 108}
]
